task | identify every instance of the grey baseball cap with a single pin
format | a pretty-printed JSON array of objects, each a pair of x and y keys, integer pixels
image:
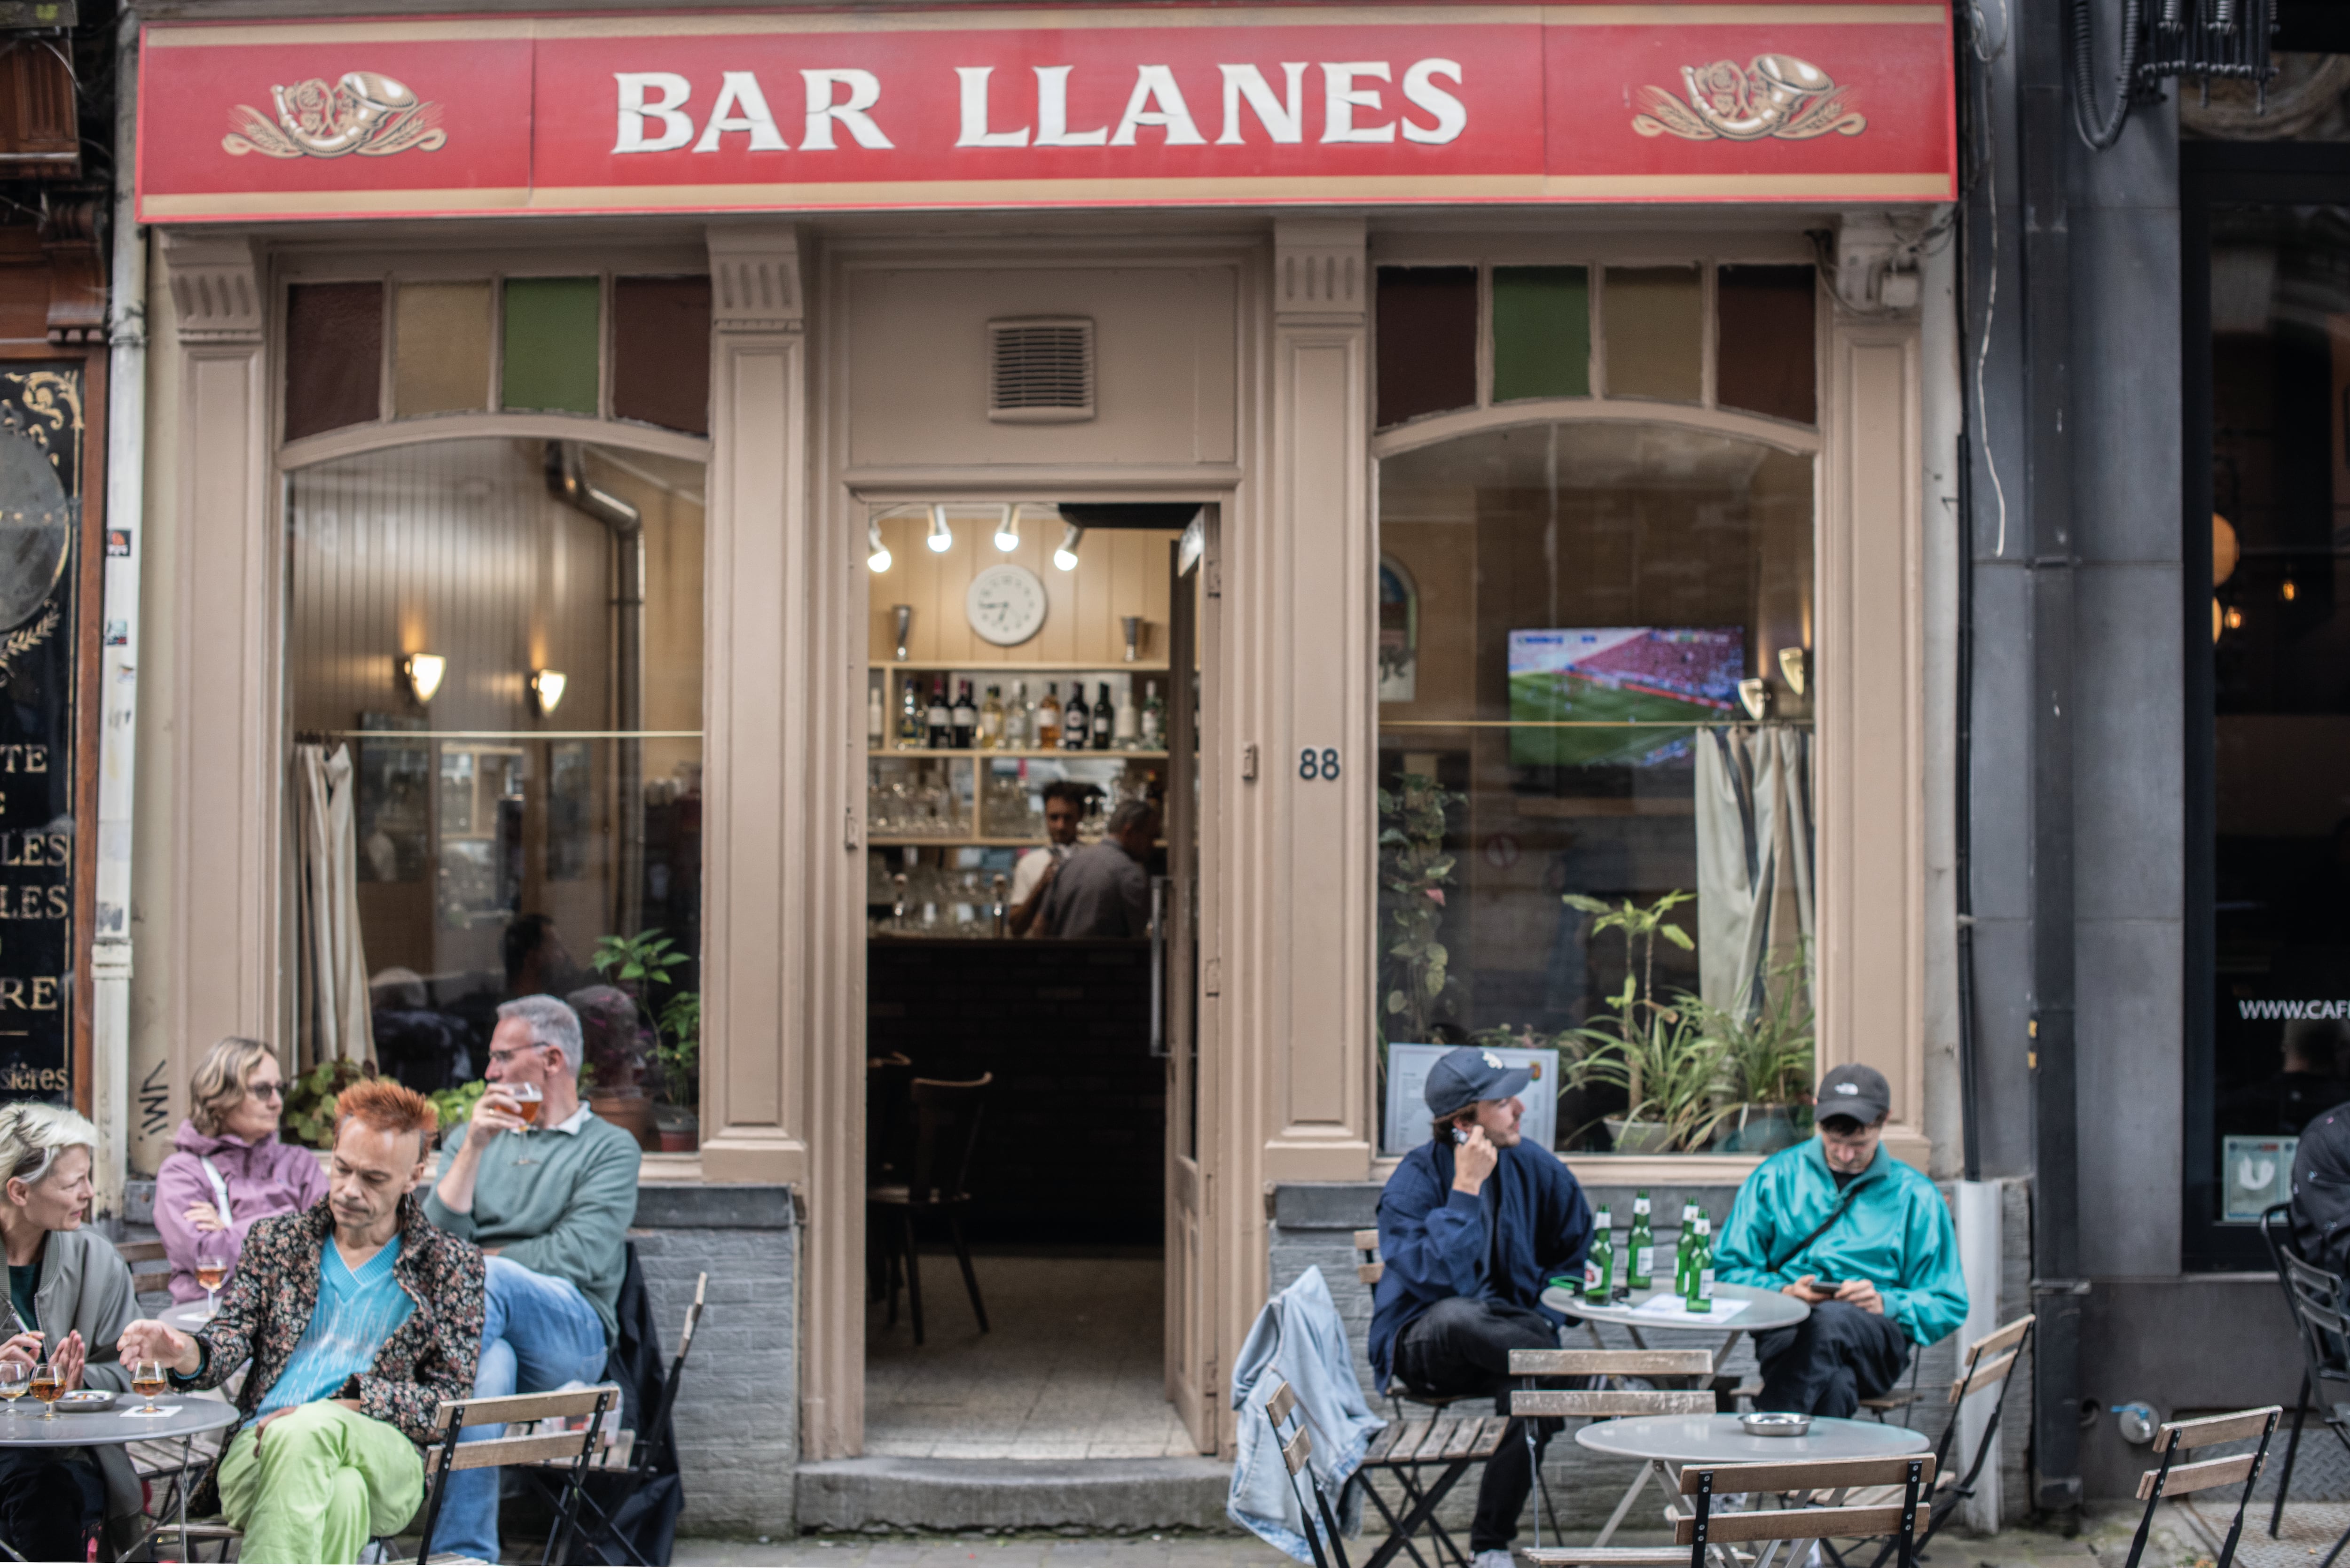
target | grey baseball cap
[{"x": 1860, "y": 1093}]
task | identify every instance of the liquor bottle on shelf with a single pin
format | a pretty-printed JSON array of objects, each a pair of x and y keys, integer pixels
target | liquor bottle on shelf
[
  {"x": 877, "y": 718},
  {"x": 1076, "y": 724},
  {"x": 1599, "y": 1262},
  {"x": 965, "y": 715},
  {"x": 1048, "y": 718},
  {"x": 1018, "y": 718},
  {"x": 1127, "y": 733},
  {"x": 941, "y": 726},
  {"x": 1641, "y": 1246},
  {"x": 1153, "y": 734},
  {"x": 990, "y": 720},
  {"x": 1105, "y": 718},
  {"x": 914, "y": 731}
]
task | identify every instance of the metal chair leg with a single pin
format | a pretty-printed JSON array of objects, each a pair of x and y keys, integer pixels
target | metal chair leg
[{"x": 2291, "y": 1448}]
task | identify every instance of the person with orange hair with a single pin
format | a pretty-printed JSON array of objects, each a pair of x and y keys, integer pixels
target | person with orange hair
[{"x": 361, "y": 1317}]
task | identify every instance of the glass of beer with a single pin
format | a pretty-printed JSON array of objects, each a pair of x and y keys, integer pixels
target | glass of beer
[
  {"x": 147, "y": 1381},
  {"x": 47, "y": 1386},
  {"x": 211, "y": 1268},
  {"x": 15, "y": 1380},
  {"x": 529, "y": 1097}
]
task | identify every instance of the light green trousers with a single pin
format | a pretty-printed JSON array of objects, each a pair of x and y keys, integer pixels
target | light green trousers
[{"x": 326, "y": 1480}]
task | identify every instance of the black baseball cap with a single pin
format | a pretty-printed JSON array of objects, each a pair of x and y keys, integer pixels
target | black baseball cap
[
  {"x": 1860, "y": 1093},
  {"x": 1464, "y": 1076}
]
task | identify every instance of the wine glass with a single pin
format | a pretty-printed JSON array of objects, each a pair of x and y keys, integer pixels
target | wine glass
[
  {"x": 15, "y": 1380},
  {"x": 211, "y": 1268},
  {"x": 46, "y": 1385},
  {"x": 147, "y": 1381}
]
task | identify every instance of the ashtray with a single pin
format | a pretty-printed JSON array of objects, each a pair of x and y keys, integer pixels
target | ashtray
[
  {"x": 82, "y": 1401},
  {"x": 1775, "y": 1424}
]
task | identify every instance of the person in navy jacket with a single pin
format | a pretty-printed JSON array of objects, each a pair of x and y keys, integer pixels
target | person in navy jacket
[{"x": 1472, "y": 1225}]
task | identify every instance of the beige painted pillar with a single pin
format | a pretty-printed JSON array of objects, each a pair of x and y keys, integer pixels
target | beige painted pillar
[
  {"x": 1302, "y": 961},
  {"x": 219, "y": 945},
  {"x": 1869, "y": 664}
]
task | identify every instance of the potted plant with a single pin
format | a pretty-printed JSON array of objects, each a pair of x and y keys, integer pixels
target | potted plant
[
  {"x": 1766, "y": 1061},
  {"x": 637, "y": 965},
  {"x": 309, "y": 1117},
  {"x": 679, "y": 1056},
  {"x": 1656, "y": 1056},
  {"x": 1415, "y": 978}
]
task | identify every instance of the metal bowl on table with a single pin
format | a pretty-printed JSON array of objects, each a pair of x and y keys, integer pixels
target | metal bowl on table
[
  {"x": 86, "y": 1401},
  {"x": 1775, "y": 1424}
]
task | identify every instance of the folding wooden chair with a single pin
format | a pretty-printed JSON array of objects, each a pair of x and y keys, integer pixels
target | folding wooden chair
[
  {"x": 2170, "y": 1478},
  {"x": 1296, "y": 1448},
  {"x": 1603, "y": 1402},
  {"x": 1702, "y": 1530},
  {"x": 578, "y": 1446},
  {"x": 1990, "y": 1360}
]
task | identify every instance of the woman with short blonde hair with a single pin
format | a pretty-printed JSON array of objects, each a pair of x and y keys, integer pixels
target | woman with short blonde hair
[
  {"x": 227, "y": 1168},
  {"x": 69, "y": 1295}
]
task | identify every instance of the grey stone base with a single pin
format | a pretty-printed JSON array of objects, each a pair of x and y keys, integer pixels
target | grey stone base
[{"x": 1013, "y": 1494}]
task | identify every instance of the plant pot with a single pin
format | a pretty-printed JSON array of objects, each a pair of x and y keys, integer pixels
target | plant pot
[
  {"x": 1757, "y": 1130},
  {"x": 632, "y": 1113},
  {"x": 679, "y": 1129},
  {"x": 1638, "y": 1138}
]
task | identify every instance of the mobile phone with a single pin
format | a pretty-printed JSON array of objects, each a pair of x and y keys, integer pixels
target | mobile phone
[
  {"x": 1460, "y": 1135},
  {"x": 1828, "y": 1287}
]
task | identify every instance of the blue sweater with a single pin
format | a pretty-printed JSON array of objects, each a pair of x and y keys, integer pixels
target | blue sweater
[{"x": 1530, "y": 1217}]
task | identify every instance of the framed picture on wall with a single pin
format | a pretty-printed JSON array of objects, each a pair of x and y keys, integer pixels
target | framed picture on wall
[{"x": 1407, "y": 1118}]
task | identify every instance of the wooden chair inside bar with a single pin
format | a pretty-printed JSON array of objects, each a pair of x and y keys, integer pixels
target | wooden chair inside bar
[
  {"x": 1702, "y": 1530},
  {"x": 2170, "y": 1478}
]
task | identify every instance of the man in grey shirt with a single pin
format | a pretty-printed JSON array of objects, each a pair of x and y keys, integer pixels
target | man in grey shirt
[{"x": 1102, "y": 890}]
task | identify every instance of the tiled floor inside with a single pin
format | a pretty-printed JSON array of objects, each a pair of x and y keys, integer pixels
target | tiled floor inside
[{"x": 1072, "y": 1370}]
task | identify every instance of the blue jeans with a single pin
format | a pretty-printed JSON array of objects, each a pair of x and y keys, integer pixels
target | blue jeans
[{"x": 537, "y": 1332}]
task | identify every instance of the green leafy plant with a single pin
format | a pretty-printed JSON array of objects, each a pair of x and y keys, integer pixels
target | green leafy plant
[
  {"x": 639, "y": 964},
  {"x": 635, "y": 964},
  {"x": 457, "y": 1105},
  {"x": 1766, "y": 1050},
  {"x": 1415, "y": 976},
  {"x": 680, "y": 1051},
  {"x": 309, "y": 1114},
  {"x": 1636, "y": 1006},
  {"x": 1669, "y": 1069}
]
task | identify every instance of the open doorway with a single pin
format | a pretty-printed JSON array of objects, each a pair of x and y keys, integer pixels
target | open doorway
[{"x": 1030, "y": 901}]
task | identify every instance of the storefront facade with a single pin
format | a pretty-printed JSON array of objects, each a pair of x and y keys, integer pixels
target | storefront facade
[{"x": 1449, "y": 327}]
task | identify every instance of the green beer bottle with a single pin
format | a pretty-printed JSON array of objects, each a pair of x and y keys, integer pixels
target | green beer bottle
[
  {"x": 1641, "y": 1244},
  {"x": 1681, "y": 1249},
  {"x": 1599, "y": 1263},
  {"x": 1700, "y": 1269}
]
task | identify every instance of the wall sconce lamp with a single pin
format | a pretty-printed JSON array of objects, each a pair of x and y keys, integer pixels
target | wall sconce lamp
[
  {"x": 1065, "y": 557},
  {"x": 1007, "y": 532},
  {"x": 422, "y": 671},
  {"x": 942, "y": 537},
  {"x": 546, "y": 690},
  {"x": 1755, "y": 696},
  {"x": 878, "y": 559},
  {"x": 1795, "y": 664}
]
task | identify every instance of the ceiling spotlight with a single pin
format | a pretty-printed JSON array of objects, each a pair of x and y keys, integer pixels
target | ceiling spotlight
[
  {"x": 942, "y": 537},
  {"x": 2288, "y": 593},
  {"x": 1007, "y": 532},
  {"x": 1065, "y": 557},
  {"x": 422, "y": 671},
  {"x": 2235, "y": 618},
  {"x": 879, "y": 558},
  {"x": 546, "y": 690}
]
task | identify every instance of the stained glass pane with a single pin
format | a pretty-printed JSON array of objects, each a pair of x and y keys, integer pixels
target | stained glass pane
[
  {"x": 1542, "y": 332},
  {"x": 661, "y": 351},
  {"x": 334, "y": 356},
  {"x": 441, "y": 348},
  {"x": 1766, "y": 354},
  {"x": 1654, "y": 318},
  {"x": 551, "y": 344},
  {"x": 1427, "y": 340}
]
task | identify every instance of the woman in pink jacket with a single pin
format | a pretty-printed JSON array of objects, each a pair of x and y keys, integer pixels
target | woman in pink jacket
[{"x": 229, "y": 1170}]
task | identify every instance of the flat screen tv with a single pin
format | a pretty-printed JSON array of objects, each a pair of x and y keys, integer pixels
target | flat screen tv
[{"x": 1646, "y": 674}]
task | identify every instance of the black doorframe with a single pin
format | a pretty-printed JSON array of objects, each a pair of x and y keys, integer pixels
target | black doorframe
[{"x": 2213, "y": 174}]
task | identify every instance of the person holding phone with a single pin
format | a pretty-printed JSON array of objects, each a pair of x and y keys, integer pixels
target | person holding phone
[
  {"x": 1473, "y": 1224},
  {"x": 1865, "y": 1239}
]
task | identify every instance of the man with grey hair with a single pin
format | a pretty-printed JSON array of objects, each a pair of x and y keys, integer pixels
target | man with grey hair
[
  {"x": 1103, "y": 890},
  {"x": 547, "y": 1190}
]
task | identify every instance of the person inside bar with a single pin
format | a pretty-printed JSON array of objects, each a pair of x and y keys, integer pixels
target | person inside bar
[
  {"x": 227, "y": 1171},
  {"x": 360, "y": 1317},
  {"x": 1033, "y": 878},
  {"x": 1838, "y": 1222},
  {"x": 1102, "y": 889},
  {"x": 1472, "y": 1223},
  {"x": 69, "y": 1294},
  {"x": 548, "y": 1189}
]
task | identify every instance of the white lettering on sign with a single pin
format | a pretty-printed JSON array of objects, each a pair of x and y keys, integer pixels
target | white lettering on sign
[{"x": 653, "y": 116}]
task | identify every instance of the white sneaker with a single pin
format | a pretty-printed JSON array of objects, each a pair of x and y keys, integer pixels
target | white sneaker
[{"x": 1496, "y": 1557}]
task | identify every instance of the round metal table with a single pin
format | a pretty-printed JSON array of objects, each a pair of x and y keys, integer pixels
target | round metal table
[
  {"x": 1764, "y": 1310},
  {"x": 1668, "y": 1442},
  {"x": 192, "y": 1417}
]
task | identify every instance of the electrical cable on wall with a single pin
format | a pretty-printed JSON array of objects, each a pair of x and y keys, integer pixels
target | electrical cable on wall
[{"x": 2182, "y": 38}]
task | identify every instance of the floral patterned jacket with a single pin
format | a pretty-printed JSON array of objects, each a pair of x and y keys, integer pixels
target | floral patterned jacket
[{"x": 266, "y": 1307}]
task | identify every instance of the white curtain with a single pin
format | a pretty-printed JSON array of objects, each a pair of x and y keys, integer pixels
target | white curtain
[
  {"x": 331, "y": 975},
  {"x": 1753, "y": 859}
]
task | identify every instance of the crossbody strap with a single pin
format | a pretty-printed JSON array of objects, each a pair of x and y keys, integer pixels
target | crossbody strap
[
  {"x": 1834, "y": 1214},
  {"x": 220, "y": 1189}
]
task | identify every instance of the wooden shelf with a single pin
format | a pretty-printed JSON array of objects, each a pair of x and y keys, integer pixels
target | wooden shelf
[
  {"x": 1054, "y": 753},
  {"x": 987, "y": 666}
]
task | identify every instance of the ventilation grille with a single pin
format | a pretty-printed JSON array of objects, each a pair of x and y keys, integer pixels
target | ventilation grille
[{"x": 1040, "y": 370}]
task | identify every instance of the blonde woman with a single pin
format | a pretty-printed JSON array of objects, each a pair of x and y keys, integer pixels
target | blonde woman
[
  {"x": 227, "y": 1168},
  {"x": 70, "y": 1292}
]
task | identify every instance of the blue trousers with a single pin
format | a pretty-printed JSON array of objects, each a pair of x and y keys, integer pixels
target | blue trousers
[{"x": 537, "y": 1332}]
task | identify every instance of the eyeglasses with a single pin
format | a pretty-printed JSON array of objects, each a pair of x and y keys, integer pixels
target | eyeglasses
[
  {"x": 503, "y": 1057},
  {"x": 266, "y": 1091}
]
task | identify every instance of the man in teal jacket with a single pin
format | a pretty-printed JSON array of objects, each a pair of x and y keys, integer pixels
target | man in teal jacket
[{"x": 1839, "y": 1223}]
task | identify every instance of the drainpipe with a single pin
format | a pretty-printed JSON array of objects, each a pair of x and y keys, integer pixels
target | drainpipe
[
  {"x": 118, "y": 682},
  {"x": 568, "y": 482}
]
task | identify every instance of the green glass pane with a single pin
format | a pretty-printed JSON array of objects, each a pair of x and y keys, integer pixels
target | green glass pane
[
  {"x": 1542, "y": 332},
  {"x": 551, "y": 344}
]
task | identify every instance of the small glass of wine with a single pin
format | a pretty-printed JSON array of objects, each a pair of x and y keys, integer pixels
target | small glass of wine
[
  {"x": 15, "y": 1380},
  {"x": 47, "y": 1386},
  {"x": 147, "y": 1381},
  {"x": 211, "y": 1268},
  {"x": 529, "y": 1096}
]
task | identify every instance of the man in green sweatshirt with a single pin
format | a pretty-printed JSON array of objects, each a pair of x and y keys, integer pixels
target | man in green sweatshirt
[{"x": 548, "y": 1198}]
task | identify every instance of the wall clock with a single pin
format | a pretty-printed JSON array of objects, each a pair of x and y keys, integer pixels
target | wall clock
[{"x": 1005, "y": 605}]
